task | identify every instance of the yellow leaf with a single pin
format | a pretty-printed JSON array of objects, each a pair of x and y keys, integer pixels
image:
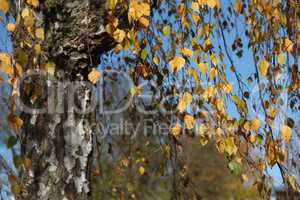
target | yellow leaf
[
  {"x": 115, "y": 22},
  {"x": 281, "y": 59},
  {"x": 196, "y": 18},
  {"x": 189, "y": 121},
  {"x": 264, "y": 66},
  {"x": 193, "y": 72},
  {"x": 14, "y": 122},
  {"x": 4, "y": 6},
  {"x": 94, "y": 76},
  {"x": 207, "y": 44},
  {"x": 220, "y": 146},
  {"x": 195, "y": 6},
  {"x": 139, "y": 90},
  {"x": 282, "y": 156},
  {"x": 242, "y": 105},
  {"x": 247, "y": 126},
  {"x": 245, "y": 177},
  {"x": 118, "y": 48},
  {"x": 286, "y": 133},
  {"x": 293, "y": 183},
  {"x": 288, "y": 44},
  {"x": 200, "y": 33},
  {"x": 137, "y": 10},
  {"x": 277, "y": 74},
  {"x": 28, "y": 17},
  {"x": 8, "y": 70},
  {"x": 19, "y": 69},
  {"x": 209, "y": 92},
  {"x": 255, "y": 124},
  {"x": 213, "y": 73},
  {"x": 214, "y": 59},
  {"x": 40, "y": 33},
  {"x": 219, "y": 103},
  {"x": 145, "y": 9},
  {"x": 177, "y": 63},
  {"x": 252, "y": 138},
  {"x": 112, "y": 4},
  {"x": 38, "y": 49},
  {"x": 50, "y": 67},
  {"x": 144, "y": 21},
  {"x": 204, "y": 140},
  {"x": 238, "y": 6},
  {"x": 132, "y": 12},
  {"x": 10, "y": 27},
  {"x": 176, "y": 130},
  {"x": 212, "y": 3},
  {"x": 142, "y": 170},
  {"x": 119, "y": 35},
  {"x": 184, "y": 101},
  {"x": 34, "y": 3},
  {"x": 203, "y": 67},
  {"x": 5, "y": 59},
  {"x": 271, "y": 153},
  {"x": 156, "y": 60},
  {"x": 201, "y": 129},
  {"x": 25, "y": 13},
  {"x": 167, "y": 30},
  {"x": 6, "y": 64},
  {"x": 228, "y": 88},
  {"x": 230, "y": 146},
  {"x": 127, "y": 44},
  {"x": 187, "y": 52},
  {"x": 16, "y": 189}
]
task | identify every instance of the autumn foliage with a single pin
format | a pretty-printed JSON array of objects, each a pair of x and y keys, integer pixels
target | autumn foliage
[{"x": 230, "y": 72}]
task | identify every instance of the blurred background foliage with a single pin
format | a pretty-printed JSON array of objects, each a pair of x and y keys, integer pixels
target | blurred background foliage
[{"x": 205, "y": 170}]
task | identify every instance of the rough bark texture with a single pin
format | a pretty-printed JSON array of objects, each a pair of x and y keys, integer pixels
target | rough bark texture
[{"x": 59, "y": 144}]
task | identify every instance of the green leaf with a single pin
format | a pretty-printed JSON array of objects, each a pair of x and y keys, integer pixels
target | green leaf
[
  {"x": 127, "y": 44},
  {"x": 22, "y": 58},
  {"x": 260, "y": 139},
  {"x": 290, "y": 122},
  {"x": 17, "y": 161},
  {"x": 167, "y": 30},
  {"x": 132, "y": 90},
  {"x": 235, "y": 167},
  {"x": 11, "y": 141},
  {"x": 15, "y": 189},
  {"x": 144, "y": 54},
  {"x": 112, "y": 4},
  {"x": 230, "y": 146}
]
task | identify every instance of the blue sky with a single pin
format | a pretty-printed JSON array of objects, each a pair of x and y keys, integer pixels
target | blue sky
[{"x": 245, "y": 66}]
